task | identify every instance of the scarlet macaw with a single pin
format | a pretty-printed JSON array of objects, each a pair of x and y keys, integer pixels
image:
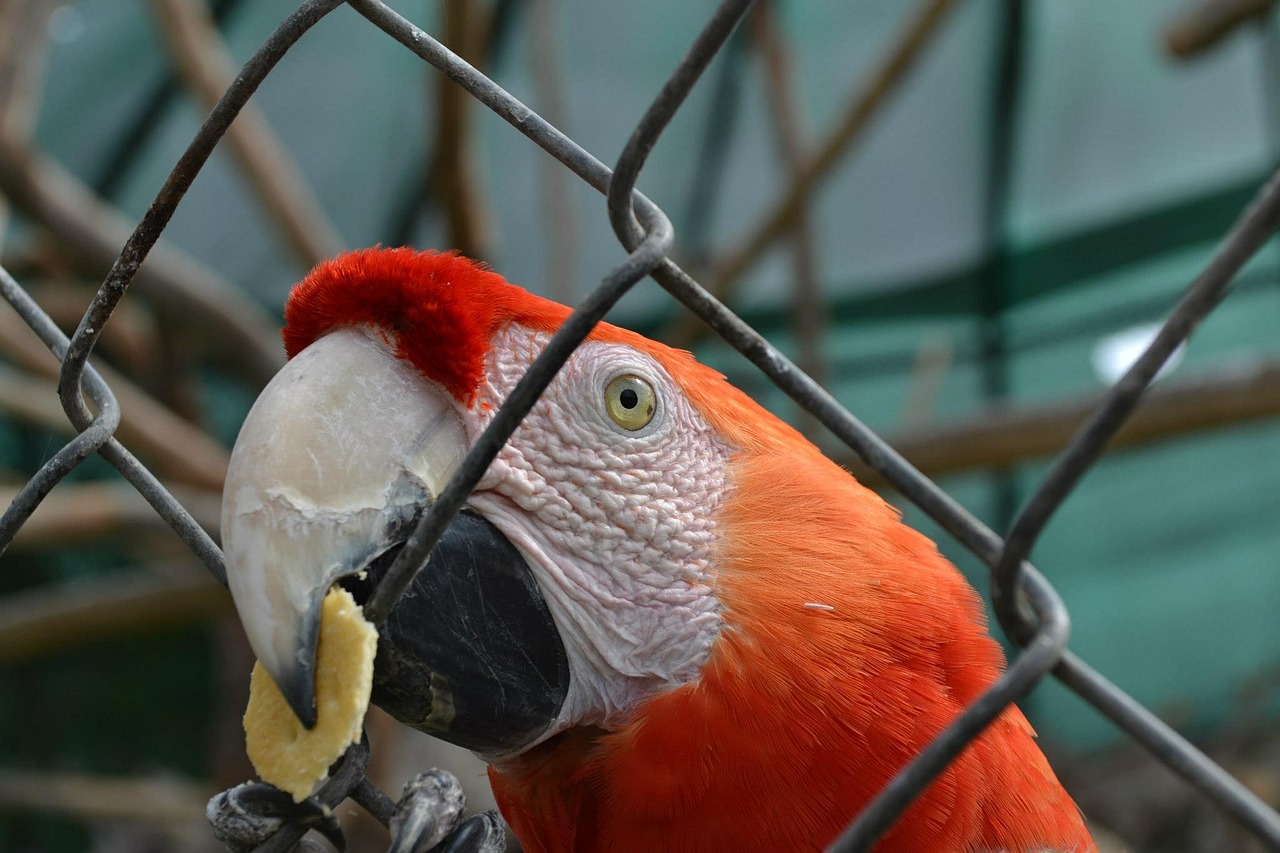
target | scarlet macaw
[{"x": 664, "y": 618}]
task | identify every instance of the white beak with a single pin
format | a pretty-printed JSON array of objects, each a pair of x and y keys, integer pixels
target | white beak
[{"x": 338, "y": 458}]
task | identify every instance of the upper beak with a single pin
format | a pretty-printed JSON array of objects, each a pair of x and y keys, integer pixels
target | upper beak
[{"x": 337, "y": 459}]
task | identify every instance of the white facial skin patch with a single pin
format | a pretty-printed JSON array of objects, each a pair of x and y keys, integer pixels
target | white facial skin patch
[{"x": 617, "y": 524}]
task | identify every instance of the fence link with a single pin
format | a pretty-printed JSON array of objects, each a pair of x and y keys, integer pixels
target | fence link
[{"x": 1026, "y": 604}]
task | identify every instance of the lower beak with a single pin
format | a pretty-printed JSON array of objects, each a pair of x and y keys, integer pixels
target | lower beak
[{"x": 338, "y": 459}]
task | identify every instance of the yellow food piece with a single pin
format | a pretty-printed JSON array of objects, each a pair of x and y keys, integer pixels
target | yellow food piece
[{"x": 282, "y": 750}]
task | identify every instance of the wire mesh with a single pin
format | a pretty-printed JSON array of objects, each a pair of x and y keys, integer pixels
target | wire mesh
[{"x": 1026, "y": 604}]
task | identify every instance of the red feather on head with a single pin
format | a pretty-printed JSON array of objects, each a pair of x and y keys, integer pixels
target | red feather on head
[{"x": 441, "y": 309}]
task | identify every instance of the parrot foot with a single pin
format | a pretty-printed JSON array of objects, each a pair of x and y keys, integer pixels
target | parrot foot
[
  {"x": 428, "y": 819},
  {"x": 260, "y": 817},
  {"x": 248, "y": 815}
]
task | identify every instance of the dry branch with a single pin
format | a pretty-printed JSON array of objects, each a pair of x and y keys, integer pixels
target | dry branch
[
  {"x": 788, "y": 124},
  {"x": 455, "y": 172},
  {"x": 176, "y": 447},
  {"x": 1206, "y": 23},
  {"x": 131, "y": 340},
  {"x": 86, "y": 511},
  {"x": 164, "y": 800},
  {"x": 22, "y": 44},
  {"x": 557, "y": 182},
  {"x": 198, "y": 52},
  {"x": 187, "y": 294},
  {"x": 934, "y": 359},
  {"x": 91, "y": 231},
  {"x": 32, "y": 401},
  {"x": 47, "y": 619},
  {"x": 1001, "y": 438},
  {"x": 875, "y": 92}
]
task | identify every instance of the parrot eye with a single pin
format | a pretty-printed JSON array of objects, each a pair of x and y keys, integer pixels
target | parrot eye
[{"x": 630, "y": 401}]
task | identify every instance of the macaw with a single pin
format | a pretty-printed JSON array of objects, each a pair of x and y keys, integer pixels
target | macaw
[{"x": 664, "y": 618}]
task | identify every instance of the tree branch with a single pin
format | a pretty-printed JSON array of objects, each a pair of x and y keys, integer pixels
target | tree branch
[
  {"x": 22, "y": 44},
  {"x": 557, "y": 182},
  {"x": 455, "y": 170},
  {"x": 43, "y": 620},
  {"x": 198, "y": 52},
  {"x": 163, "y": 800},
  {"x": 787, "y": 121},
  {"x": 1200, "y": 27},
  {"x": 883, "y": 82},
  {"x": 187, "y": 294},
  {"x": 178, "y": 448},
  {"x": 1000, "y": 438},
  {"x": 83, "y": 512}
]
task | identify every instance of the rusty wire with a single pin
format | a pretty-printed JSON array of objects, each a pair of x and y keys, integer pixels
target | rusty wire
[{"x": 1027, "y": 606}]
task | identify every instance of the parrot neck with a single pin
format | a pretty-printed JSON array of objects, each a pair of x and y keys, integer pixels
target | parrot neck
[{"x": 849, "y": 643}]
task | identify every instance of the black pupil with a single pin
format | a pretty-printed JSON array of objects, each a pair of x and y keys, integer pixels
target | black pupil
[{"x": 629, "y": 398}]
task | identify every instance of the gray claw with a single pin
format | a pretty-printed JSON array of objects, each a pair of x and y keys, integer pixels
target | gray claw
[
  {"x": 238, "y": 828},
  {"x": 251, "y": 814},
  {"x": 481, "y": 833},
  {"x": 428, "y": 812}
]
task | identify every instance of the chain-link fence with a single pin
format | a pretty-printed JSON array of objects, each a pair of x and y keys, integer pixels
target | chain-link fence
[{"x": 1025, "y": 602}]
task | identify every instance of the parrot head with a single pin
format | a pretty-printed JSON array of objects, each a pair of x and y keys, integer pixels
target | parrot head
[
  {"x": 661, "y": 610},
  {"x": 578, "y": 579}
]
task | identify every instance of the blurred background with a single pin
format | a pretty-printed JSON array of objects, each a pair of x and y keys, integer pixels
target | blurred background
[{"x": 964, "y": 218}]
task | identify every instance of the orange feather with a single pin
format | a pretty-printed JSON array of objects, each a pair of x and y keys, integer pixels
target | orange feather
[{"x": 803, "y": 714}]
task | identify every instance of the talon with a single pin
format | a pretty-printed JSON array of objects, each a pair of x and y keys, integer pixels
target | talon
[
  {"x": 239, "y": 828},
  {"x": 481, "y": 833},
  {"x": 249, "y": 814},
  {"x": 332, "y": 831},
  {"x": 268, "y": 800},
  {"x": 428, "y": 812}
]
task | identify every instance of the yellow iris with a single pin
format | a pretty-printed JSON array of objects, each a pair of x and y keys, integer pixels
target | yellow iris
[{"x": 630, "y": 401}]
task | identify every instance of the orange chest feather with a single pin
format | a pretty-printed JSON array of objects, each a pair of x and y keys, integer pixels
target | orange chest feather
[{"x": 752, "y": 768}]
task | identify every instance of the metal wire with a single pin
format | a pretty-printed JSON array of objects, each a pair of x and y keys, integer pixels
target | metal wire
[
  {"x": 165, "y": 504},
  {"x": 1026, "y": 604}
]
